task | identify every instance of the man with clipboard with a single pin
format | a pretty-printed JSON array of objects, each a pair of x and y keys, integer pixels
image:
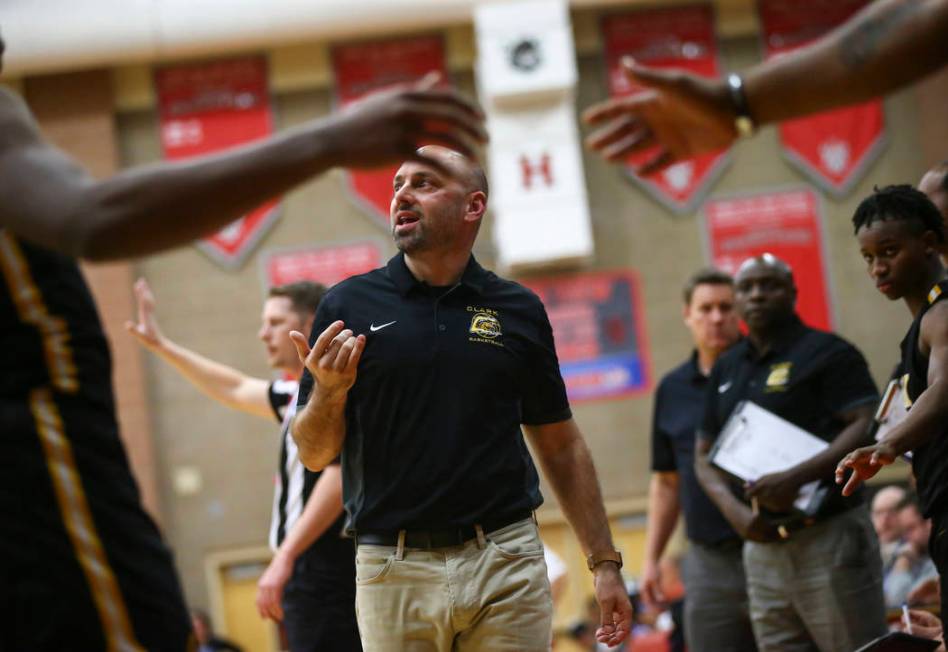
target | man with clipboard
[{"x": 814, "y": 577}]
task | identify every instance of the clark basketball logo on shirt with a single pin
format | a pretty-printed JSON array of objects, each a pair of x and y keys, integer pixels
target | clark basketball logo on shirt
[
  {"x": 779, "y": 375},
  {"x": 485, "y": 326}
]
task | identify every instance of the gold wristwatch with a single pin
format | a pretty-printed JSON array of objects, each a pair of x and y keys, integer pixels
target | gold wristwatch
[{"x": 597, "y": 558}]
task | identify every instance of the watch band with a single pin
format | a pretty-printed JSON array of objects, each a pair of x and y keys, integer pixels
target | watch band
[
  {"x": 597, "y": 558},
  {"x": 743, "y": 122}
]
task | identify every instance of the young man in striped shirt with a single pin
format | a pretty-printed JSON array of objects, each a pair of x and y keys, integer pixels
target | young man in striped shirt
[{"x": 310, "y": 583}]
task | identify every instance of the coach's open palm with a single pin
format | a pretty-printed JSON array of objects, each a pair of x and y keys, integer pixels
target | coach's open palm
[{"x": 334, "y": 358}]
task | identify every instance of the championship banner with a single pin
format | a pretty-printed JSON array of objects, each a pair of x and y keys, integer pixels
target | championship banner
[
  {"x": 359, "y": 69},
  {"x": 672, "y": 37},
  {"x": 209, "y": 107},
  {"x": 834, "y": 148},
  {"x": 787, "y": 224},
  {"x": 599, "y": 332},
  {"x": 326, "y": 264}
]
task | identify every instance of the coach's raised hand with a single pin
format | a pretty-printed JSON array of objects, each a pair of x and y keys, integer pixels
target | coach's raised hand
[
  {"x": 319, "y": 427},
  {"x": 334, "y": 358}
]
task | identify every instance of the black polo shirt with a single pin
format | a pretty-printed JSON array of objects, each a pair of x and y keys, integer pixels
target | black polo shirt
[
  {"x": 447, "y": 376},
  {"x": 679, "y": 403},
  {"x": 809, "y": 377}
]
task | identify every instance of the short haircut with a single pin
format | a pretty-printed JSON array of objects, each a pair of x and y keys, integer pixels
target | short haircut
[
  {"x": 475, "y": 177},
  {"x": 304, "y": 295},
  {"x": 900, "y": 202},
  {"x": 706, "y": 276}
]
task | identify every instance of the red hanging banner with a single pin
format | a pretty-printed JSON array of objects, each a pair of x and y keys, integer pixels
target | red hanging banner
[
  {"x": 208, "y": 107},
  {"x": 359, "y": 69},
  {"x": 673, "y": 37},
  {"x": 834, "y": 148},
  {"x": 785, "y": 223},
  {"x": 327, "y": 264}
]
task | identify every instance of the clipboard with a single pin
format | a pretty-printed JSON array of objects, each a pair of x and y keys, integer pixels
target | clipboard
[
  {"x": 892, "y": 410},
  {"x": 900, "y": 642},
  {"x": 755, "y": 442}
]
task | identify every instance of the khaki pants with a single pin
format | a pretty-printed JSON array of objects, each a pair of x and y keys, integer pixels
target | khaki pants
[{"x": 489, "y": 595}]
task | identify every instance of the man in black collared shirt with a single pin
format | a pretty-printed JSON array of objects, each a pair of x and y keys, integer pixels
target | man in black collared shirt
[
  {"x": 438, "y": 483},
  {"x": 716, "y": 612},
  {"x": 813, "y": 583}
]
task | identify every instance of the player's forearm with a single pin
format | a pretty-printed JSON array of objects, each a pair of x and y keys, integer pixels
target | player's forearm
[
  {"x": 663, "y": 510},
  {"x": 887, "y": 45},
  {"x": 925, "y": 420},
  {"x": 571, "y": 473},
  {"x": 224, "y": 384},
  {"x": 823, "y": 464},
  {"x": 152, "y": 208},
  {"x": 319, "y": 429},
  {"x": 322, "y": 509}
]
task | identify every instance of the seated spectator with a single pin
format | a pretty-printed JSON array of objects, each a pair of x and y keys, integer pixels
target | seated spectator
[
  {"x": 911, "y": 565},
  {"x": 885, "y": 520}
]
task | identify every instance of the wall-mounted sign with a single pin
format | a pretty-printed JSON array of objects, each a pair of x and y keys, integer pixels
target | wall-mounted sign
[
  {"x": 209, "y": 107},
  {"x": 327, "y": 264},
  {"x": 366, "y": 66},
  {"x": 599, "y": 331},
  {"x": 785, "y": 223},
  {"x": 669, "y": 37},
  {"x": 834, "y": 148}
]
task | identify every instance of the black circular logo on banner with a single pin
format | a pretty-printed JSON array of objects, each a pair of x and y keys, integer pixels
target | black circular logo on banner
[{"x": 525, "y": 55}]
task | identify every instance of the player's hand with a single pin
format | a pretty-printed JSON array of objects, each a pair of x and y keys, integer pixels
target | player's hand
[
  {"x": 774, "y": 491},
  {"x": 334, "y": 358},
  {"x": 680, "y": 113},
  {"x": 389, "y": 126},
  {"x": 146, "y": 331},
  {"x": 755, "y": 527},
  {"x": 270, "y": 587},
  {"x": 864, "y": 462},
  {"x": 651, "y": 586},
  {"x": 614, "y": 605}
]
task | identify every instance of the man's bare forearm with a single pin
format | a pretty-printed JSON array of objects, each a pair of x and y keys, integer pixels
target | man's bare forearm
[
  {"x": 887, "y": 45},
  {"x": 853, "y": 436},
  {"x": 570, "y": 471},
  {"x": 924, "y": 421},
  {"x": 323, "y": 507},
  {"x": 663, "y": 510},
  {"x": 220, "y": 382},
  {"x": 319, "y": 429},
  {"x": 718, "y": 490},
  {"x": 152, "y": 208}
]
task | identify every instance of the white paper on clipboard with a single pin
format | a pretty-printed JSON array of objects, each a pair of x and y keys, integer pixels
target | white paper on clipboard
[
  {"x": 893, "y": 408},
  {"x": 755, "y": 442}
]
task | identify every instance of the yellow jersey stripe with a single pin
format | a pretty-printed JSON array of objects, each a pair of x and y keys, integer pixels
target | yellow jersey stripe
[
  {"x": 79, "y": 524},
  {"x": 933, "y": 294},
  {"x": 30, "y": 307}
]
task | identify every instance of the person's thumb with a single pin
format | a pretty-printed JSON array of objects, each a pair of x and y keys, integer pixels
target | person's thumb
[{"x": 302, "y": 346}]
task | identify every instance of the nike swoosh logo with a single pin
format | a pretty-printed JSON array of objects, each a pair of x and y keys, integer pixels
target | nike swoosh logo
[
  {"x": 374, "y": 328},
  {"x": 726, "y": 386}
]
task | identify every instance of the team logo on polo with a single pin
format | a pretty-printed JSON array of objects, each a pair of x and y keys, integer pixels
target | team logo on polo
[
  {"x": 485, "y": 325},
  {"x": 779, "y": 376}
]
